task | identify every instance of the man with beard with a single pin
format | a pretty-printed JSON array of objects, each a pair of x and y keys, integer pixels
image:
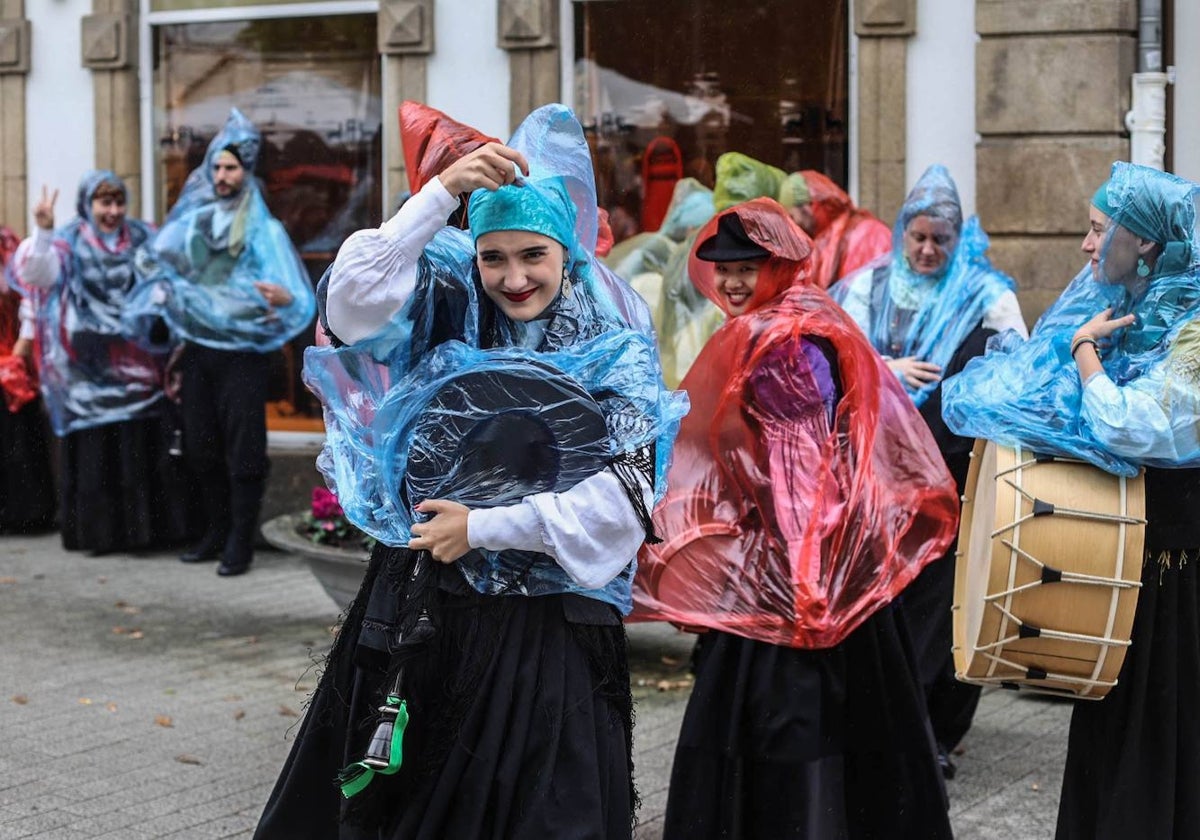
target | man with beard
[{"x": 226, "y": 280}]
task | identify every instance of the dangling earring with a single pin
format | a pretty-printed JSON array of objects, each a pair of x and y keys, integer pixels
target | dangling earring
[
  {"x": 566, "y": 283},
  {"x": 1143, "y": 270}
]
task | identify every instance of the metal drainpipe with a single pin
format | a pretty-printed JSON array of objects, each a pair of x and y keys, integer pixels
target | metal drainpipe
[{"x": 1147, "y": 118}]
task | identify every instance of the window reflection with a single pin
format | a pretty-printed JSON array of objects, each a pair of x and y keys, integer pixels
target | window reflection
[
  {"x": 664, "y": 87},
  {"x": 312, "y": 87}
]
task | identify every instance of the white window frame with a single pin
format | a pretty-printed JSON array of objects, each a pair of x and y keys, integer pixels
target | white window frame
[
  {"x": 148, "y": 20},
  {"x": 277, "y": 441}
]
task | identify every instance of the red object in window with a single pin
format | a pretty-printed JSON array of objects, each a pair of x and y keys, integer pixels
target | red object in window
[
  {"x": 662, "y": 166},
  {"x": 432, "y": 141}
]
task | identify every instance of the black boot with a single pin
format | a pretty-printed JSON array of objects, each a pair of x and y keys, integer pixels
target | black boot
[
  {"x": 245, "y": 499},
  {"x": 214, "y": 500}
]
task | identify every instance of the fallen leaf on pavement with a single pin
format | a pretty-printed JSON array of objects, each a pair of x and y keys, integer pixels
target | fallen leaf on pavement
[
  {"x": 239, "y": 714},
  {"x": 671, "y": 685},
  {"x": 7, "y": 580},
  {"x": 232, "y": 697},
  {"x": 188, "y": 759},
  {"x": 669, "y": 660},
  {"x": 288, "y": 711},
  {"x": 164, "y": 721},
  {"x": 85, "y": 701},
  {"x": 111, "y": 706},
  {"x": 20, "y": 699}
]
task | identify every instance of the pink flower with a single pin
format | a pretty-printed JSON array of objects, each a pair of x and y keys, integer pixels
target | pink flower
[{"x": 325, "y": 504}]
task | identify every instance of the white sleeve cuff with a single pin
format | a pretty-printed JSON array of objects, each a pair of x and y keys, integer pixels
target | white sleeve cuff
[{"x": 512, "y": 527}]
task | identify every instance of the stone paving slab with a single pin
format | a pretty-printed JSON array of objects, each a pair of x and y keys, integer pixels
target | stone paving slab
[{"x": 143, "y": 699}]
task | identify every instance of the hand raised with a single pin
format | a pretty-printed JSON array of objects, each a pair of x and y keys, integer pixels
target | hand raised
[
  {"x": 491, "y": 166},
  {"x": 43, "y": 210}
]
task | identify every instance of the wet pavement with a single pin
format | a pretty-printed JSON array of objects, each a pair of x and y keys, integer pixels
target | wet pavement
[{"x": 141, "y": 698}]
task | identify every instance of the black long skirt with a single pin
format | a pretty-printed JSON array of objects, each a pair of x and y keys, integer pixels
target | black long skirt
[
  {"x": 822, "y": 744},
  {"x": 1133, "y": 758},
  {"x": 122, "y": 491},
  {"x": 520, "y": 721},
  {"x": 26, "y": 480}
]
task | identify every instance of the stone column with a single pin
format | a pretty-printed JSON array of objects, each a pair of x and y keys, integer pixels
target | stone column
[
  {"x": 883, "y": 28},
  {"x": 528, "y": 30},
  {"x": 405, "y": 42},
  {"x": 109, "y": 49},
  {"x": 14, "y": 64},
  {"x": 1052, "y": 90}
]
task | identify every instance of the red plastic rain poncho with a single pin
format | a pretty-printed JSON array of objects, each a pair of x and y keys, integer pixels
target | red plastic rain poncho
[
  {"x": 18, "y": 385},
  {"x": 847, "y": 237},
  {"x": 432, "y": 141},
  {"x": 776, "y": 527}
]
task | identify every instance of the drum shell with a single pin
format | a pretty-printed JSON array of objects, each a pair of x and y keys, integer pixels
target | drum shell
[{"x": 988, "y": 647}]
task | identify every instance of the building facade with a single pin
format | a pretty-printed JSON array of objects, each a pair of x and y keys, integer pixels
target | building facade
[{"x": 1025, "y": 101}]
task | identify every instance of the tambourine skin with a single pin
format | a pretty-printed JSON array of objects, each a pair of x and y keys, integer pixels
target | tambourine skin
[
  {"x": 489, "y": 437},
  {"x": 1047, "y": 572}
]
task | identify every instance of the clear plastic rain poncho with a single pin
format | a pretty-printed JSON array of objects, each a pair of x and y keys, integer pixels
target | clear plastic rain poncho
[
  {"x": 847, "y": 237},
  {"x": 453, "y": 400},
  {"x": 92, "y": 372},
  {"x": 18, "y": 386},
  {"x": 1145, "y": 407},
  {"x": 778, "y": 525},
  {"x": 198, "y": 272},
  {"x": 926, "y": 316},
  {"x": 691, "y": 206}
]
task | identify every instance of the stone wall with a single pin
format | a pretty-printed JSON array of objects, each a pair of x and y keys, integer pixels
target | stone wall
[
  {"x": 1052, "y": 89},
  {"x": 14, "y": 63}
]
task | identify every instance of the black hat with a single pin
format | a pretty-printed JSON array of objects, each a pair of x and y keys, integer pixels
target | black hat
[
  {"x": 493, "y": 436},
  {"x": 730, "y": 243}
]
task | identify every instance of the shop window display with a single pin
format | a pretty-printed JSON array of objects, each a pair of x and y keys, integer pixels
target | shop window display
[
  {"x": 312, "y": 87},
  {"x": 664, "y": 87}
]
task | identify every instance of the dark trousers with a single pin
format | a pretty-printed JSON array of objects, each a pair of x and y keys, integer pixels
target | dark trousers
[
  {"x": 224, "y": 412},
  {"x": 225, "y": 441}
]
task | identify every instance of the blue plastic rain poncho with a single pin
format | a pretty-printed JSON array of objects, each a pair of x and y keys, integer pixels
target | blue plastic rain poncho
[
  {"x": 395, "y": 403},
  {"x": 905, "y": 313},
  {"x": 199, "y": 271},
  {"x": 1145, "y": 407},
  {"x": 92, "y": 373}
]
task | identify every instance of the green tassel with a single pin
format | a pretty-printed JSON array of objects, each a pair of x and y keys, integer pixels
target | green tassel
[{"x": 357, "y": 776}]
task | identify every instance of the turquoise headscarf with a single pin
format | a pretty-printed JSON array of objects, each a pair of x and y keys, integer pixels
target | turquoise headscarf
[{"x": 1031, "y": 394}]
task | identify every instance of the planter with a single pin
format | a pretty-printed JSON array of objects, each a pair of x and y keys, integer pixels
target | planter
[{"x": 338, "y": 570}]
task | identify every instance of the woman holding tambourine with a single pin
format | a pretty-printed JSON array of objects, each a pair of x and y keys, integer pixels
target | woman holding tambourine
[
  {"x": 496, "y": 419},
  {"x": 1111, "y": 375}
]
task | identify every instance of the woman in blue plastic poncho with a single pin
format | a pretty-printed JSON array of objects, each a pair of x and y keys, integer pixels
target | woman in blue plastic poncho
[
  {"x": 118, "y": 489},
  {"x": 1111, "y": 375},
  {"x": 489, "y": 623},
  {"x": 928, "y": 308}
]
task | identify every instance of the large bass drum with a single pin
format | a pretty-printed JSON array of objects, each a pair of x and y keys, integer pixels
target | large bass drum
[{"x": 1047, "y": 575}]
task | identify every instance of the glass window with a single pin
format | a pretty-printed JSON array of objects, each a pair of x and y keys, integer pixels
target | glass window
[
  {"x": 664, "y": 87},
  {"x": 312, "y": 87}
]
